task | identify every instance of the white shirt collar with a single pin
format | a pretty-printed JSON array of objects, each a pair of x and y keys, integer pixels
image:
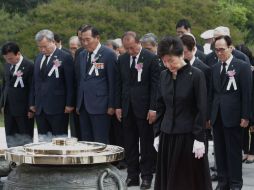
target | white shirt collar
[
  {"x": 229, "y": 59},
  {"x": 137, "y": 57},
  {"x": 18, "y": 64},
  {"x": 44, "y": 57},
  {"x": 96, "y": 50},
  {"x": 192, "y": 60}
]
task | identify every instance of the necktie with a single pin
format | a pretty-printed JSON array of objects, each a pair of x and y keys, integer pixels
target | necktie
[
  {"x": 133, "y": 62},
  {"x": 12, "y": 69},
  {"x": 44, "y": 66},
  {"x": 89, "y": 61},
  {"x": 223, "y": 72}
]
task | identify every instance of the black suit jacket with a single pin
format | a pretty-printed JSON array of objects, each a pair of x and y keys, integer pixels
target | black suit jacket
[
  {"x": 200, "y": 55},
  {"x": 49, "y": 93},
  {"x": 17, "y": 98},
  {"x": 205, "y": 69},
  {"x": 182, "y": 103},
  {"x": 141, "y": 95},
  {"x": 234, "y": 104},
  {"x": 212, "y": 59}
]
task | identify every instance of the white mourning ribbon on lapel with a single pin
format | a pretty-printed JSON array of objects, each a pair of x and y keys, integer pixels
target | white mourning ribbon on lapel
[
  {"x": 57, "y": 64},
  {"x": 231, "y": 81},
  {"x": 19, "y": 79}
]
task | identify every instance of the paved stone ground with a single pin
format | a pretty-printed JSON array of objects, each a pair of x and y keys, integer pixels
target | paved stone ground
[{"x": 248, "y": 169}]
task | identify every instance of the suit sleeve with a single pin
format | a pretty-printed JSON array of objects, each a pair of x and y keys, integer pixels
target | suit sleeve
[
  {"x": 118, "y": 86},
  {"x": 30, "y": 81},
  {"x": 154, "y": 79},
  {"x": 111, "y": 73},
  {"x": 160, "y": 109},
  {"x": 69, "y": 79},
  {"x": 246, "y": 86},
  {"x": 201, "y": 104},
  {"x": 2, "y": 91}
]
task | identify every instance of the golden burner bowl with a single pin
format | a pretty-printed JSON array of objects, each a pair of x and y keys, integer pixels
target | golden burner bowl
[{"x": 65, "y": 151}]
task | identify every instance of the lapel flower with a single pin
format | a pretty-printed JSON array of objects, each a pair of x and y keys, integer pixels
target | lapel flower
[
  {"x": 231, "y": 73},
  {"x": 57, "y": 62},
  {"x": 19, "y": 73},
  {"x": 139, "y": 66}
]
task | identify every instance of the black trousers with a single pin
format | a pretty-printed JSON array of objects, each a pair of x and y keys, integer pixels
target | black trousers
[
  {"x": 56, "y": 125},
  {"x": 228, "y": 151},
  {"x": 19, "y": 130},
  {"x": 138, "y": 130},
  {"x": 74, "y": 125},
  {"x": 94, "y": 127},
  {"x": 248, "y": 142}
]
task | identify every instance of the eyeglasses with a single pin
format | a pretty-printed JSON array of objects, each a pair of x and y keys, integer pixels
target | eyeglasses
[{"x": 220, "y": 50}]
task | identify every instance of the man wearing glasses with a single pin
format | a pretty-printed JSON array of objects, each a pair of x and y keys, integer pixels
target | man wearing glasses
[{"x": 230, "y": 99}]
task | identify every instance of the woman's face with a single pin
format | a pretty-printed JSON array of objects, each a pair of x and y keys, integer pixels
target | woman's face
[{"x": 172, "y": 62}]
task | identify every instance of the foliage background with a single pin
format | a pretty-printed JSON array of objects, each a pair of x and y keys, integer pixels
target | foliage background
[{"x": 20, "y": 20}]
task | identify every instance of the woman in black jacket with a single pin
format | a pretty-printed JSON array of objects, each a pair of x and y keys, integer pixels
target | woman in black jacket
[{"x": 181, "y": 108}]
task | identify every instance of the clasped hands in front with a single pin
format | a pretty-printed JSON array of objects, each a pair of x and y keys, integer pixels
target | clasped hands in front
[{"x": 151, "y": 115}]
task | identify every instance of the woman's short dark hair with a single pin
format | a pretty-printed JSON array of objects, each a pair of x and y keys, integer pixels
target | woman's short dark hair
[
  {"x": 226, "y": 38},
  {"x": 170, "y": 46},
  {"x": 10, "y": 47}
]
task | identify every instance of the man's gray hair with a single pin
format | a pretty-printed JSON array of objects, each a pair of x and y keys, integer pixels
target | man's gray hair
[
  {"x": 149, "y": 38},
  {"x": 74, "y": 39},
  {"x": 49, "y": 35}
]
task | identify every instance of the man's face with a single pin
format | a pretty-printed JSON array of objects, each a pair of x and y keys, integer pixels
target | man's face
[
  {"x": 181, "y": 31},
  {"x": 73, "y": 46},
  {"x": 150, "y": 47},
  {"x": 131, "y": 46},
  {"x": 187, "y": 53},
  {"x": 11, "y": 58},
  {"x": 172, "y": 62},
  {"x": 222, "y": 50},
  {"x": 88, "y": 41},
  {"x": 46, "y": 46}
]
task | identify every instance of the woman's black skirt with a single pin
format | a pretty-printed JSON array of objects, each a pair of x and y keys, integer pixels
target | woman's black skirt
[{"x": 177, "y": 167}]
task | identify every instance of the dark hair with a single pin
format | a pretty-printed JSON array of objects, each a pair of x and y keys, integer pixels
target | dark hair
[
  {"x": 183, "y": 22},
  {"x": 188, "y": 41},
  {"x": 170, "y": 46},
  {"x": 81, "y": 28},
  {"x": 95, "y": 31},
  {"x": 10, "y": 47},
  {"x": 243, "y": 48},
  {"x": 131, "y": 34},
  {"x": 57, "y": 38},
  {"x": 226, "y": 38}
]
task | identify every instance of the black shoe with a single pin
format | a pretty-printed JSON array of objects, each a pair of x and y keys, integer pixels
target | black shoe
[
  {"x": 214, "y": 177},
  {"x": 146, "y": 184},
  {"x": 132, "y": 182},
  {"x": 121, "y": 165}
]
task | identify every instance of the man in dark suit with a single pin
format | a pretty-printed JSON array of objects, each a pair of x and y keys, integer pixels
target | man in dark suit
[
  {"x": 96, "y": 86},
  {"x": 52, "y": 94},
  {"x": 230, "y": 100},
  {"x": 183, "y": 26},
  {"x": 18, "y": 119},
  {"x": 137, "y": 80}
]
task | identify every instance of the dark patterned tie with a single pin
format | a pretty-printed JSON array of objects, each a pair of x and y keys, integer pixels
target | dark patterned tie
[
  {"x": 44, "y": 67},
  {"x": 133, "y": 70},
  {"x": 223, "y": 72}
]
